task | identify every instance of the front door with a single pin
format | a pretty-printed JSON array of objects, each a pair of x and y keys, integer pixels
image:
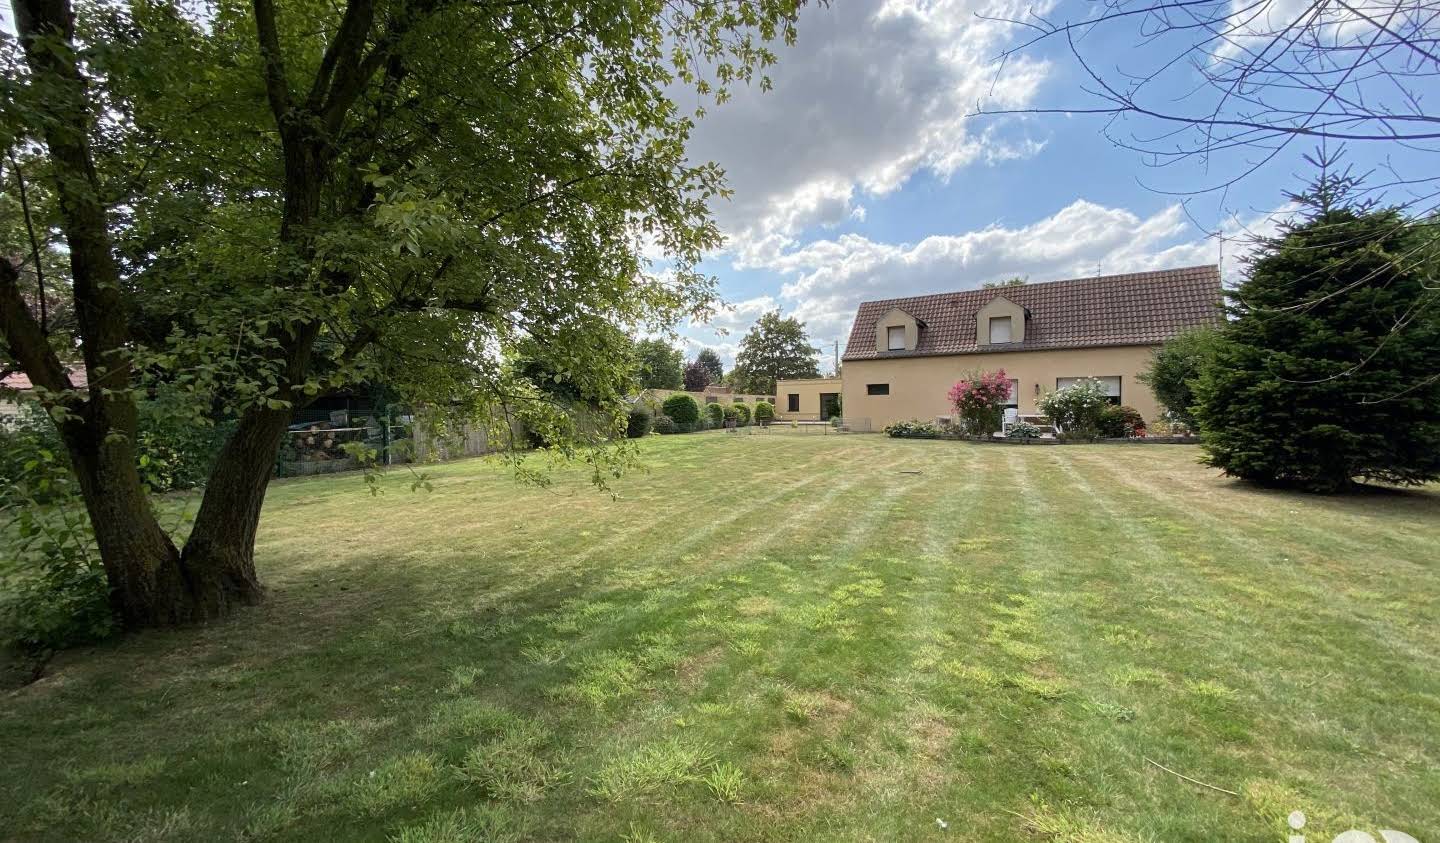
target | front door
[{"x": 829, "y": 405}]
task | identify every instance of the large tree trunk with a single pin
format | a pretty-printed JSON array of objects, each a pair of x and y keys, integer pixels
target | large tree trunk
[{"x": 220, "y": 554}]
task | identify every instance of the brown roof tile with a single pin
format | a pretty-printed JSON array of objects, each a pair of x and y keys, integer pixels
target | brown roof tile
[{"x": 1141, "y": 308}]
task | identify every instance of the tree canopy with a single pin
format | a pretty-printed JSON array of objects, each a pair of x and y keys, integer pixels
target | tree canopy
[
  {"x": 262, "y": 204},
  {"x": 658, "y": 365},
  {"x": 776, "y": 347},
  {"x": 1327, "y": 370},
  {"x": 697, "y": 376},
  {"x": 711, "y": 361}
]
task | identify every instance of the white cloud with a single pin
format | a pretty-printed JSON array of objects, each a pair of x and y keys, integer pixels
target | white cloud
[
  {"x": 873, "y": 93},
  {"x": 827, "y": 279}
]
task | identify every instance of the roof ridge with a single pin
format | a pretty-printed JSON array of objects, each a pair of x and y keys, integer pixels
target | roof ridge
[{"x": 1051, "y": 283}]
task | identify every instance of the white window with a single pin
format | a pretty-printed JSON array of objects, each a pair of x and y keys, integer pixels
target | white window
[
  {"x": 1110, "y": 382},
  {"x": 999, "y": 329},
  {"x": 1013, "y": 399},
  {"x": 895, "y": 338}
]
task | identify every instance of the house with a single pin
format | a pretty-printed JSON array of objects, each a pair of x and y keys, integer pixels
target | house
[
  {"x": 904, "y": 354},
  {"x": 808, "y": 399},
  {"x": 15, "y": 388}
]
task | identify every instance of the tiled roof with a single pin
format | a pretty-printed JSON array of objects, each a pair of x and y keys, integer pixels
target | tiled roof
[
  {"x": 20, "y": 382},
  {"x": 1141, "y": 308}
]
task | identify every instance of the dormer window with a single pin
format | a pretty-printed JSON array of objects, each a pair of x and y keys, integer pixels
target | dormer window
[
  {"x": 999, "y": 329},
  {"x": 895, "y": 338}
]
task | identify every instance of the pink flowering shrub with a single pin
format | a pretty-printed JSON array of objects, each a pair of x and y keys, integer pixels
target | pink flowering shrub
[{"x": 979, "y": 399}]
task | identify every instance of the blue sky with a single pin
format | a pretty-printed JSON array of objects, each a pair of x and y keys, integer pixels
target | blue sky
[{"x": 862, "y": 174}]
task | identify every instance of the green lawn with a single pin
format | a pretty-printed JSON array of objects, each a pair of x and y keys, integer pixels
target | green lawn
[{"x": 782, "y": 637}]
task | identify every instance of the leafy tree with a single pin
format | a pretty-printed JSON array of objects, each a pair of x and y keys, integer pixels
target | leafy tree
[
  {"x": 279, "y": 202},
  {"x": 1013, "y": 281},
  {"x": 774, "y": 348},
  {"x": 658, "y": 365},
  {"x": 711, "y": 361},
  {"x": 1326, "y": 371},
  {"x": 1174, "y": 368},
  {"x": 697, "y": 376}
]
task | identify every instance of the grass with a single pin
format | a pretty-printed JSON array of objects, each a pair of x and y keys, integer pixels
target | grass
[{"x": 780, "y": 637}]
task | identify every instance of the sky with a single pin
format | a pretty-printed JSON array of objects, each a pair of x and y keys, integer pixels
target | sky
[{"x": 866, "y": 174}]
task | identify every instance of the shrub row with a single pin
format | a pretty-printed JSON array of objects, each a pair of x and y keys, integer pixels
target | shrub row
[{"x": 681, "y": 414}]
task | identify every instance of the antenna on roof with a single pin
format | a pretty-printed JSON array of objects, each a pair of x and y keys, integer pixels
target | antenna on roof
[{"x": 1098, "y": 273}]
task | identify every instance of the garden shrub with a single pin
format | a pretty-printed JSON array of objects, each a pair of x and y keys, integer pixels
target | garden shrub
[
  {"x": 764, "y": 412},
  {"x": 1075, "y": 410},
  {"x": 742, "y": 414},
  {"x": 715, "y": 414},
  {"x": 682, "y": 410},
  {"x": 911, "y": 428},
  {"x": 731, "y": 414},
  {"x": 979, "y": 401},
  {"x": 1022, "y": 430},
  {"x": 637, "y": 424},
  {"x": 53, "y": 591},
  {"x": 1174, "y": 369},
  {"x": 665, "y": 424},
  {"x": 1120, "y": 422}
]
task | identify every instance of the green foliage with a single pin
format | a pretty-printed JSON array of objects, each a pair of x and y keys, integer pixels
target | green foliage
[
  {"x": 682, "y": 410},
  {"x": 1022, "y": 430},
  {"x": 658, "y": 365},
  {"x": 711, "y": 361},
  {"x": 774, "y": 348},
  {"x": 1326, "y": 371},
  {"x": 1174, "y": 368},
  {"x": 731, "y": 412},
  {"x": 665, "y": 424},
  {"x": 53, "y": 591},
  {"x": 764, "y": 411},
  {"x": 742, "y": 414},
  {"x": 715, "y": 414},
  {"x": 1118, "y": 421},
  {"x": 912, "y": 429},
  {"x": 1012, "y": 281},
  {"x": 1075, "y": 410},
  {"x": 638, "y": 422}
]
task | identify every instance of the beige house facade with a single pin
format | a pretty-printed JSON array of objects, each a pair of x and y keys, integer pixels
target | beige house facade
[
  {"x": 904, "y": 355},
  {"x": 809, "y": 399}
]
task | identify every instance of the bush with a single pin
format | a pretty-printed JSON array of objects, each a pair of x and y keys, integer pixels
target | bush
[
  {"x": 764, "y": 412},
  {"x": 742, "y": 414},
  {"x": 911, "y": 428},
  {"x": 1075, "y": 410},
  {"x": 682, "y": 410},
  {"x": 637, "y": 424},
  {"x": 1022, "y": 430},
  {"x": 979, "y": 399},
  {"x": 1175, "y": 368},
  {"x": 665, "y": 424},
  {"x": 715, "y": 414},
  {"x": 1121, "y": 422},
  {"x": 54, "y": 589},
  {"x": 731, "y": 414}
]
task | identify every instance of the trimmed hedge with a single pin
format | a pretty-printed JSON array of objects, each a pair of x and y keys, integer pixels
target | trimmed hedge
[
  {"x": 764, "y": 411},
  {"x": 715, "y": 414},
  {"x": 665, "y": 424},
  {"x": 638, "y": 423},
  {"x": 682, "y": 410},
  {"x": 742, "y": 414}
]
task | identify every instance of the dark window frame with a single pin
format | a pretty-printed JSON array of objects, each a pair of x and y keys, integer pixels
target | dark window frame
[
  {"x": 877, "y": 389},
  {"x": 792, "y": 402}
]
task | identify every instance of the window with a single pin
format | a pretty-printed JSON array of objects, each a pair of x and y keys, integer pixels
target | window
[
  {"x": 792, "y": 403},
  {"x": 1110, "y": 382},
  {"x": 999, "y": 329},
  {"x": 877, "y": 389},
  {"x": 1013, "y": 399},
  {"x": 738, "y": 399},
  {"x": 895, "y": 338}
]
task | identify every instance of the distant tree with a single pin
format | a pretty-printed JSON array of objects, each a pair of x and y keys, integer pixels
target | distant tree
[
  {"x": 658, "y": 365},
  {"x": 711, "y": 361},
  {"x": 1329, "y": 369},
  {"x": 1174, "y": 368},
  {"x": 1013, "y": 281},
  {"x": 775, "y": 348},
  {"x": 697, "y": 376}
]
